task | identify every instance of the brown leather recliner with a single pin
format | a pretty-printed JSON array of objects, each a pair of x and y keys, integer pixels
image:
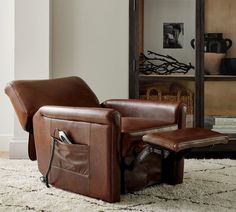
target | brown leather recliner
[{"x": 104, "y": 159}]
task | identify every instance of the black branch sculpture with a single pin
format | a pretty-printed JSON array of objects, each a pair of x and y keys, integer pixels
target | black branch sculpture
[{"x": 160, "y": 64}]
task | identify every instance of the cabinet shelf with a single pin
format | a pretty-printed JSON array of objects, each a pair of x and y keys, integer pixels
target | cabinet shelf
[
  {"x": 220, "y": 78},
  {"x": 186, "y": 77},
  {"x": 143, "y": 77}
]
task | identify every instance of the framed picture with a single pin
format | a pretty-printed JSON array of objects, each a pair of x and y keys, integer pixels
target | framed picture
[{"x": 173, "y": 35}]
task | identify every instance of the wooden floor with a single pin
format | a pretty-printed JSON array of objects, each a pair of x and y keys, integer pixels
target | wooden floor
[{"x": 4, "y": 155}]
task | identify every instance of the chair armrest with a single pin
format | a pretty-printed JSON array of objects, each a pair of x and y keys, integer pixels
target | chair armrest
[
  {"x": 96, "y": 128},
  {"x": 83, "y": 114},
  {"x": 163, "y": 111}
]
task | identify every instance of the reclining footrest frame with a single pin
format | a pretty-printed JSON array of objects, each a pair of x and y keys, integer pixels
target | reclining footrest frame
[{"x": 174, "y": 145}]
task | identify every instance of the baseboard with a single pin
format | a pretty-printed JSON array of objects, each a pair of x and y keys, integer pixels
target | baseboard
[
  {"x": 4, "y": 142},
  {"x": 18, "y": 149}
]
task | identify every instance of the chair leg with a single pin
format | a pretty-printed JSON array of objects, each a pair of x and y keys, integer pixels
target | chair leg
[{"x": 173, "y": 169}]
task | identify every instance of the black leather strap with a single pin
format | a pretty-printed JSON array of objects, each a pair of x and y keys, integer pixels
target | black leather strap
[{"x": 44, "y": 179}]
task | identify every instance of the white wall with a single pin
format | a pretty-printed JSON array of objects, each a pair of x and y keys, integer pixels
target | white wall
[
  {"x": 32, "y": 58},
  {"x": 32, "y": 55},
  {"x": 32, "y": 40},
  {"x": 158, "y": 12},
  {"x": 6, "y": 70},
  {"x": 90, "y": 39}
]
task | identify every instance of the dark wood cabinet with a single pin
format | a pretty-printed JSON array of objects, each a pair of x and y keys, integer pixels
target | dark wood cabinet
[
  {"x": 199, "y": 80},
  {"x": 136, "y": 46}
]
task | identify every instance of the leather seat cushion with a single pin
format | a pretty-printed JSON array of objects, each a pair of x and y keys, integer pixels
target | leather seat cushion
[{"x": 136, "y": 124}]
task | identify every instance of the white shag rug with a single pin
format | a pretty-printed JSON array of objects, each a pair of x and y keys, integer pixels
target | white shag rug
[{"x": 209, "y": 185}]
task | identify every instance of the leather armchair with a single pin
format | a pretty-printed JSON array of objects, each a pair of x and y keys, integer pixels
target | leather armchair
[{"x": 107, "y": 137}]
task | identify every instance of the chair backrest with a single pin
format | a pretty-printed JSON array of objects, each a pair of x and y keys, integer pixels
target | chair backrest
[{"x": 27, "y": 96}]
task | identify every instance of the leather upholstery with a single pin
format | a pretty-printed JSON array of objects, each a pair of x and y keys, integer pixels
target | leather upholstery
[
  {"x": 176, "y": 143},
  {"x": 140, "y": 117},
  {"x": 136, "y": 111},
  {"x": 178, "y": 140},
  {"x": 108, "y": 136},
  {"x": 145, "y": 109},
  {"x": 27, "y": 96},
  {"x": 134, "y": 124},
  {"x": 97, "y": 130}
]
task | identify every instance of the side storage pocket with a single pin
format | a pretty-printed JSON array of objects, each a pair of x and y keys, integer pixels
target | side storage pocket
[{"x": 70, "y": 167}]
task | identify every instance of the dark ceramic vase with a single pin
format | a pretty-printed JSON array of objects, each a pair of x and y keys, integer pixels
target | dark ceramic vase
[{"x": 214, "y": 42}]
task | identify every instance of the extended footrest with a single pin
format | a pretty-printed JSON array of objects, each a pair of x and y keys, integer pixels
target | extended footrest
[
  {"x": 187, "y": 138},
  {"x": 178, "y": 143}
]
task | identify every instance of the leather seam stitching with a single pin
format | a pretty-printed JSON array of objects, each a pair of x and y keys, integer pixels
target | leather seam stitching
[{"x": 67, "y": 119}]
